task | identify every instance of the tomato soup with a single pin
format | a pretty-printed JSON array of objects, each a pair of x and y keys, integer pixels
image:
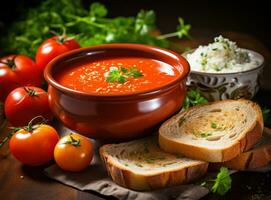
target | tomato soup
[{"x": 117, "y": 75}]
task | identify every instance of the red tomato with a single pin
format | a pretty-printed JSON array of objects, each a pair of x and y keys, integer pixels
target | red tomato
[
  {"x": 25, "y": 103},
  {"x": 73, "y": 152},
  {"x": 16, "y": 71},
  {"x": 53, "y": 47},
  {"x": 34, "y": 145}
]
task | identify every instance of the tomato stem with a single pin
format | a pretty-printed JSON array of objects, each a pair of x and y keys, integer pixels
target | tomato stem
[
  {"x": 3, "y": 125},
  {"x": 9, "y": 135},
  {"x": 10, "y": 62},
  {"x": 5, "y": 139},
  {"x": 30, "y": 126},
  {"x": 73, "y": 141},
  {"x": 30, "y": 92},
  {"x": 62, "y": 38}
]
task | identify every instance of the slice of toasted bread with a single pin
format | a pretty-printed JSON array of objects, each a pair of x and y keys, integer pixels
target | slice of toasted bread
[
  {"x": 214, "y": 132},
  {"x": 142, "y": 165},
  {"x": 258, "y": 156}
]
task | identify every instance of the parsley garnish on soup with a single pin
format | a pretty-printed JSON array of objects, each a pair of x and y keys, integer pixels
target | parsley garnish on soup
[{"x": 117, "y": 75}]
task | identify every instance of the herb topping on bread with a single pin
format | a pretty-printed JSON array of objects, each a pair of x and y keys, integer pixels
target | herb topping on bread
[
  {"x": 142, "y": 165},
  {"x": 213, "y": 132}
]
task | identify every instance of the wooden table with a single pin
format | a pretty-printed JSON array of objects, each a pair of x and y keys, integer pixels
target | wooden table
[{"x": 20, "y": 182}]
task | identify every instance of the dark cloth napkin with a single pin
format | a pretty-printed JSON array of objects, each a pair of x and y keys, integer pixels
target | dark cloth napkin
[{"x": 96, "y": 179}]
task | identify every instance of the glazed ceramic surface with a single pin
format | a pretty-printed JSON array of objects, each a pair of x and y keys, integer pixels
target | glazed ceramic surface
[
  {"x": 219, "y": 86},
  {"x": 116, "y": 117}
]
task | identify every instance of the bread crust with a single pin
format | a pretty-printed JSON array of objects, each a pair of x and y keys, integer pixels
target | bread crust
[
  {"x": 136, "y": 181},
  {"x": 251, "y": 159},
  {"x": 214, "y": 155}
]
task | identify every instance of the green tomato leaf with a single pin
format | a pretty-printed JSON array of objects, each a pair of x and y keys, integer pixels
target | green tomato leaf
[{"x": 222, "y": 182}]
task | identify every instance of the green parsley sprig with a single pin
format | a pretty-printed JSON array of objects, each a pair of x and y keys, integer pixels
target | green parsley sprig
[
  {"x": 193, "y": 98},
  {"x": 182, "y": 31},
  {"x": 222, "y": 184},
  {"x": 120, "y": 75}
]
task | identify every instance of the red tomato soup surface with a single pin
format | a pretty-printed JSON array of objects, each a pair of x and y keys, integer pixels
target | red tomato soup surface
[{"x": 92, "y": 77}]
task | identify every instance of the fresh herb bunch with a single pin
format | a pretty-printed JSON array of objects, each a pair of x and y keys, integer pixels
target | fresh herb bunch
[
  {"x": 193, "y": 98},
  {"x": 91, "y": 27},
  {"x": 24, "y": 36}
]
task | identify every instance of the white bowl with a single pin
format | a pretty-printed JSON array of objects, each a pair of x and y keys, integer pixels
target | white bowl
[{"x": 218, "y": 86}]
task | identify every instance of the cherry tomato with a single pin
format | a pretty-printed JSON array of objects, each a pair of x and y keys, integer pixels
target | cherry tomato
[
  {"x": 53, "y": 47},
  {"x": 73, "y": 152},
  {"x": 34, "y": 145},
  {"x": 25, "y": 103},
  {"x": 16, "y": 71}
]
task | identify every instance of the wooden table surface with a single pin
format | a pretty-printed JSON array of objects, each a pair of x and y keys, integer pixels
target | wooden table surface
[{"x": 20, "y": 182}]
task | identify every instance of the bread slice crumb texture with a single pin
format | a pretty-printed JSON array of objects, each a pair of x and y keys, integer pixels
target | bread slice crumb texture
[
  {"x": 214, "y": 132},
  {"x": 215, "y": 126},
  {"x": 145, "y": 157}
]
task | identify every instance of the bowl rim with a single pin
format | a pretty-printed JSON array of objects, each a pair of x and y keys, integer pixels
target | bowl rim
[
  {"x": 261, "y": 65},
  {"x": 147, "y": 48}
]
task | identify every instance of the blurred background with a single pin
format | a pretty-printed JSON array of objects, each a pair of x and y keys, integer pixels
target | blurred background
[{"x": 250, "y": 17}]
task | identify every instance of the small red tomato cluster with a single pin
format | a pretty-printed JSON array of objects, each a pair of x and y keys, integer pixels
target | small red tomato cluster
[
  {"x": 25, "y": 102},
  {"x": 21, "y": 77},
  {"x": 38, "y": 144}
]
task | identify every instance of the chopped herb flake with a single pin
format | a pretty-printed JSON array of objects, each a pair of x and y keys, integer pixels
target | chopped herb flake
[
  {"x": 139, "y": 165},
  {"x": 204, "y": 134},
  {"x": 166, "y": 164},
  {"x": 213, "y": 125}
]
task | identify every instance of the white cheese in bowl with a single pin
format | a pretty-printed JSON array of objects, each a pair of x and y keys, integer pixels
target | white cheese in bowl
[{"x": 222, "y": 56}]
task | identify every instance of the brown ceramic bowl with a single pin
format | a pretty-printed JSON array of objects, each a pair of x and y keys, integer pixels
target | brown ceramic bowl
[{"x": 116, "y": 117}]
